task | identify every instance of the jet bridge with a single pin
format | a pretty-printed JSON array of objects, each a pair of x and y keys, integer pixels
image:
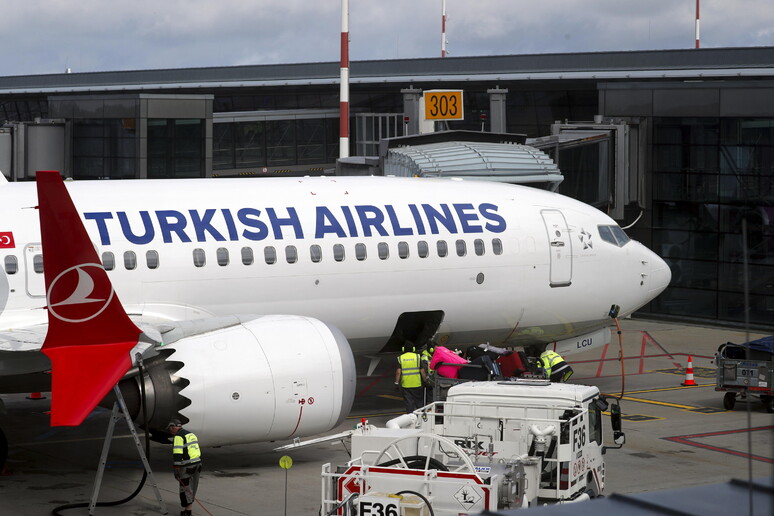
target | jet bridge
[{"x": 470, "y": 155}]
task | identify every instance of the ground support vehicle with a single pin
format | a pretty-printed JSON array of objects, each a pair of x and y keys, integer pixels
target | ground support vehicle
[
  {"x": 489, "y": 446},
  {"x": 746, "y": 370}
]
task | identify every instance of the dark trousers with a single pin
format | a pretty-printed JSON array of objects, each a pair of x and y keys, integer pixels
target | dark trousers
[
  {"x": 414, "y": 397},
  {"x": 188, "y": 480}
]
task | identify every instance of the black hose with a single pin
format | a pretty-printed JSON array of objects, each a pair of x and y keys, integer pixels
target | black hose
[
  {"x": 55, "y": 510},
  {"x": 415, "y": 461}
]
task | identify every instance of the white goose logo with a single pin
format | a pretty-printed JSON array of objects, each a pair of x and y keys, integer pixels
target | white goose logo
[{"x": 79, "y": 303}]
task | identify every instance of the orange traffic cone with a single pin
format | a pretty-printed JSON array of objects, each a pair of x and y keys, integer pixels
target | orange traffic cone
[
  {"x": 36, "y": 396},
  {"x": 689, "y": 373}
]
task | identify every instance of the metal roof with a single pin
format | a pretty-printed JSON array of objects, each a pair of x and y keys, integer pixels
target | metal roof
[
  {"x": 684, "y": 63},
  {"x": 510, "y": 163}
]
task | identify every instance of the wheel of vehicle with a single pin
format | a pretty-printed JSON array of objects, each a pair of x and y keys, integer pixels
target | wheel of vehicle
[
  {"x": 768, "y": 403},
  {"x": 729, "y": 400}
]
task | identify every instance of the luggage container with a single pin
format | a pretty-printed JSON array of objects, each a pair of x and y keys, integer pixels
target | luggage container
[{"x": 746, "y": 370}]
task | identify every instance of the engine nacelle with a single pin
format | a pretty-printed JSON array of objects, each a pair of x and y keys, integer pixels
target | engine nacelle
[{"x": 270, "y": 378}]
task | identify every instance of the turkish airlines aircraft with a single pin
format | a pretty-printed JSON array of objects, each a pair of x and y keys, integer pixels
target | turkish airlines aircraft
[{"x": 208, "y": 269}]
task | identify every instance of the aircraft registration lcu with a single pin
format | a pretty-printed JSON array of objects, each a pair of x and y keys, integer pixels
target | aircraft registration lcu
[{"x": 249, "y": 296}]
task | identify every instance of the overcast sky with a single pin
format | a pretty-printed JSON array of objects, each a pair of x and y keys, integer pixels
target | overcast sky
[{"x": 49, "y": 36}]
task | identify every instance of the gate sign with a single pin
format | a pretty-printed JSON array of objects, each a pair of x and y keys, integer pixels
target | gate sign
[{"x": 443, "y": 105}]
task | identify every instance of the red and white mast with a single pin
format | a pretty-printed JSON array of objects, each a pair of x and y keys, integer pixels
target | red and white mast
[
  {"x": 344, "y": 89},
  {"x": 443, "y": 28},
  {"x": 697, "y": 23}
]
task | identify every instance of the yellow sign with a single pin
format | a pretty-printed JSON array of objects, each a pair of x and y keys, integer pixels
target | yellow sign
[
  {"x": 286, "y": 462},
  {"x": 443, "y": 105}
]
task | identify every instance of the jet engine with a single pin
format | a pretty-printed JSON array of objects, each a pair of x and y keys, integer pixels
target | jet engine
[{"x": 248, "y": 380}]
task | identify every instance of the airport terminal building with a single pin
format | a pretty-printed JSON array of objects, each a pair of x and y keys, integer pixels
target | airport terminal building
[{"x": 683, "y": 140}]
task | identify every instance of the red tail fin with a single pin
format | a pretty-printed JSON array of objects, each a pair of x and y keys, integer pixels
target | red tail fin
[{"x": 89, "y": 334}]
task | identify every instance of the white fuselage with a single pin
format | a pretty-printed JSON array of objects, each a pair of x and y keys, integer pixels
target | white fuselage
[{"x": 523, "y": 266}]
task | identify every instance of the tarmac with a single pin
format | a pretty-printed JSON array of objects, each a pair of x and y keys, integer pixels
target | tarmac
[{"x": 676, "y": 437}]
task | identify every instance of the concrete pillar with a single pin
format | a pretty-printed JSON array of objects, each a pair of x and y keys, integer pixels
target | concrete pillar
[{"x": 497, "y": 109}]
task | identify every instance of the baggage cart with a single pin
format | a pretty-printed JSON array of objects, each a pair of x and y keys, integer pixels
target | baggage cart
[{"x": 746, "y": 370}]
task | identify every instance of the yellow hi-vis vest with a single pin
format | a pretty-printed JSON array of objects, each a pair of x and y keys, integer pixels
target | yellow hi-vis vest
[
  {"x": 427, "y": 357},
  {"x": 409, "y": 370},
  {"x": 185, "y": 448},
  {"x": 549, "y": 359}
]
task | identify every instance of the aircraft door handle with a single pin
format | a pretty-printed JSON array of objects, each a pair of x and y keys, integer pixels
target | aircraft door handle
[{"x": 557, "y": 244}]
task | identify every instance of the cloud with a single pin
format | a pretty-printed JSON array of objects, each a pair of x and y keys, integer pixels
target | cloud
[{"x": 47, "y": 36}]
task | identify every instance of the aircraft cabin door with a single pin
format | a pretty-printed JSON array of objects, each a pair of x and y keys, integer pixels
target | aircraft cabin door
[{"x": 560, "y": 248}]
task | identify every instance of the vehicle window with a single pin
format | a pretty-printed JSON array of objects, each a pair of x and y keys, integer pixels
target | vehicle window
[
  {"x": 360, "y": 252},
  {"x": 11, "y": 264},
  {"x": 291, "y": 254},
  {"x": 130, "y": 260},
  {"x": 423, "y": 249},
  {"x": 403, "y": 250},
  {"x": 478, "y": 245},
  {"x": 497, "y": 246},
  {"x": 37, "y": 263},
  {"x": 595, "y": 423},
  {"x": 384, "y": 250},
  {"x": 108, "y": 261},
  {"x": 315, "y": 252},
  {"x": 247, "y": 256},
  {"x": 462, "y": 248},
  {"x": 443, "y": 249},
  {"x": 270, "y": 255},
  {"x": 222, "y": 256},
  {"x": 338, "y": 252},
  {"x": 199, "y": 257},
  {"x": 152, "y": 259}
]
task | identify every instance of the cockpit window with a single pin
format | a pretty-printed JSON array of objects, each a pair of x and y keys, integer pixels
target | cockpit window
[{"x": 614, "y": 235}]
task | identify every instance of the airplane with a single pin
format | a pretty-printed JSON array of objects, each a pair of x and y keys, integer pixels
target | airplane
[{"x": 249, "y": 297}]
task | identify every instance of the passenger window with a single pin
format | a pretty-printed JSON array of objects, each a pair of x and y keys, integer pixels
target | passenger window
[
  {"x": 270, "y": 255},
  {"x": 478, "y": 245},
  {"x": 11, "y": 264},
  {"x": 497, "y": 246},
  {"x": 443, "y": 250},
  {"x": 152, "y": 259},
  {"x": 130, "y": 260},
  {"x": 462, "y": 248},
  {"x": 360, "y": 252},
  {"x": 108, "y": 261},
  {"x": 315, "y": 252},
  {"x": 247, "y": 256},
  {"x": 422, "y": 249},
  {"x": 384, "y": 250},
  {"x": 338, "y": 252},
  {"x": 403, "y": 250},
  {"x": 37, "y": 263},
  {"x": 291, "y": 254},
  {"x": 222, "y": 256},
  {"x": 199, "y": 258}
]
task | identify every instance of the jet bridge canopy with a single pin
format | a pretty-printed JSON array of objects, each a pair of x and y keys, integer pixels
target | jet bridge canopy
[{"x": 488, "y": 161}]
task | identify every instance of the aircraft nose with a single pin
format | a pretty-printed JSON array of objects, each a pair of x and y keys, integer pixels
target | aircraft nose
[{"x": 660, "y": 274}]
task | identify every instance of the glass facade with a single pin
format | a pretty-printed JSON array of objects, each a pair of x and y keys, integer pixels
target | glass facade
[
  {"x": 105, "y": 148},
  {"x": 175, "y": 148},
  {"x": 275, "y": 143},
  {"x": 713, "y": 210}
]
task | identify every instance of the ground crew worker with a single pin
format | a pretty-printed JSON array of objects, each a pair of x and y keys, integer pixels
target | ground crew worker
[
  {"x": 557, "y": 370},
  {"x": 410, "y": 377},
  {"x": 187, "y": 463}
]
